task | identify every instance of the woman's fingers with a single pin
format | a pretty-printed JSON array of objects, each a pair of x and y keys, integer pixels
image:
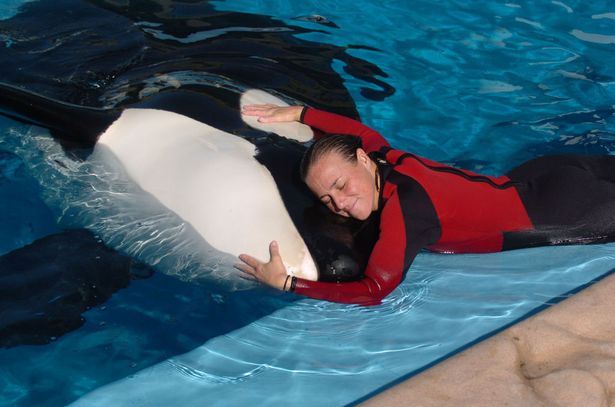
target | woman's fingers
[
  {"x": 247, "y": 276},
  {"x": 248, "y": 272},
  {"x": 271, "y": 113},
  {"x": 255, "y": 110},
  {"x": 272, "y": 273},
  {"x": 259, "y": 106},
  {"x": 249, "y": 260},
  {"x": 250, "y": 265},
  {"x": 274, "y": 251},
  {"x": 264, "y": 113},
  {"x": 245, "y": 268}
]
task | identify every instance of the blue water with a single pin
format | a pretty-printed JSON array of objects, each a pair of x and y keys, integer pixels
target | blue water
[{"x": 483, "y": 85}]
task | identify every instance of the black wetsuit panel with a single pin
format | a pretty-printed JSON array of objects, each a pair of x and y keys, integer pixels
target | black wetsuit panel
[
  {"x": 421, "y": 224},
  {"x": 569, "y": 199}
]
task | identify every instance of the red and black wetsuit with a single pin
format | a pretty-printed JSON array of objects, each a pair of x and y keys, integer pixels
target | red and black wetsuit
[{"x": 428, "y": 205}]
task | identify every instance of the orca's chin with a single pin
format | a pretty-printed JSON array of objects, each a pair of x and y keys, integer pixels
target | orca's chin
[{"x": 343, "y": 268}]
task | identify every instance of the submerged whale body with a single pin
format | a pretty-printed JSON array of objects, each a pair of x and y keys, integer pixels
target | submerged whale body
[
  {"x": 108, "y": 52},
  {"x": 47, "y": 285}
]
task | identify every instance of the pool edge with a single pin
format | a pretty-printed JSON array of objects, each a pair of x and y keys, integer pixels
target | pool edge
[{"x": 459, "y": 378}]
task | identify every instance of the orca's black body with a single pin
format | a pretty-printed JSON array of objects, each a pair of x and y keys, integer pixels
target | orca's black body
[{"x": 75, "y": 65}]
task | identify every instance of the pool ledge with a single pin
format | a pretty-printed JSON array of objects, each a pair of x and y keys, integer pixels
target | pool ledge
[{"x": 564, "y": 355}]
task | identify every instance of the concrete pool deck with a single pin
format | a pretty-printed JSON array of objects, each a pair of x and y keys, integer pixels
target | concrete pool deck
[{"x": 562, "y": 356}]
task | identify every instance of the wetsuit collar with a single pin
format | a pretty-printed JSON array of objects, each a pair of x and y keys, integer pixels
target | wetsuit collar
[{"x": 384, "y": 170}]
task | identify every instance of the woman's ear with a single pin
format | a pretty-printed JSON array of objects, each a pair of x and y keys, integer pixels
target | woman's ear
[{"x": 362, "y": 157}]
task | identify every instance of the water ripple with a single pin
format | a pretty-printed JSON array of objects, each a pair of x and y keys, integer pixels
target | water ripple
[
  {"x": 208, "y": 34},
  {"x": 593, "y": 37},
  {"x": 203, "y": 376}
]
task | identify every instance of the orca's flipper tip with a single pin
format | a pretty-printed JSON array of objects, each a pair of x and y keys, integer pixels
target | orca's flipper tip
[{"x": 291, "y": 130}]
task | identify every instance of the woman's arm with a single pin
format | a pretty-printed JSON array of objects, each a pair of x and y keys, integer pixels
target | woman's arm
[
  {"x": 336, "y": 124},
  {"x": 398, "y": 244},
  {"x": 383, "y": 273},
  {"x": 327, "y": 122}
]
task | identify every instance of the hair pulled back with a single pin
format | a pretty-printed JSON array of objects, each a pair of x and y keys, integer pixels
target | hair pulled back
[{"x": 342, "y": 144}]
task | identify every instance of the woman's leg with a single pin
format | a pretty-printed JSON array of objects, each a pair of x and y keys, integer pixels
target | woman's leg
[
  {"x": 602, "y": 166},
  {"x": 570, "y": 200}
]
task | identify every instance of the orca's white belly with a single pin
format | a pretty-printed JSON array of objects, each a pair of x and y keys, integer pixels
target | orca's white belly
[{"x": 211, "y": 179}]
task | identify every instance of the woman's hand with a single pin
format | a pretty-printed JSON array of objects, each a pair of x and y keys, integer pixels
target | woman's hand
[
  {"x": 272, "y": 113},
  {"x": 272, "y": 273}
]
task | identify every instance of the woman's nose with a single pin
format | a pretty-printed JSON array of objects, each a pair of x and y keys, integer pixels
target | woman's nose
[{"x": 339, "y": 202}]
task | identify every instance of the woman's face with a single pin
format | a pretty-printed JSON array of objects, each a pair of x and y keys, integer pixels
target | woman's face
[{"x": 347, "y": 188}]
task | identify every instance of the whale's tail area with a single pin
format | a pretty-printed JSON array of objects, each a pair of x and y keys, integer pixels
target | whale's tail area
[{"x": 73, "y": 125}]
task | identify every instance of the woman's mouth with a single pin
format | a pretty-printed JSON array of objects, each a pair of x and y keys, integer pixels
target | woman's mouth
[{"x": 350, "y": 210}]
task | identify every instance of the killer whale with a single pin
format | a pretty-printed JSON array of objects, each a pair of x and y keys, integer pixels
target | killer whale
[
  {"x": 110, "y": 57},
  {"x": 165, "y": 141},
  {"x": 93, "y": 59}
]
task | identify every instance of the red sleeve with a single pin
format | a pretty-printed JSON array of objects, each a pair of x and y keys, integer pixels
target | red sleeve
[
  {"x": 335, "y": 124},
  {"x": 384, "y": 271}
]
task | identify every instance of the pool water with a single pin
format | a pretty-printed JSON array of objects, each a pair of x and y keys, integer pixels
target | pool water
[{"x": 482, "y": 85}]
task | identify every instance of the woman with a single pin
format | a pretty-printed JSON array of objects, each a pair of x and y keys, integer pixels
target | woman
[{"x": 423, "y": 204}]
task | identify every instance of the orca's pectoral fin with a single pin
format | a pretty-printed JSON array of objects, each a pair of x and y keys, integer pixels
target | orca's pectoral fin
[
  {"x": 77, "y": 125},
  {"x": 295, "y": 131},
  {"x": 47, "y": 285}
]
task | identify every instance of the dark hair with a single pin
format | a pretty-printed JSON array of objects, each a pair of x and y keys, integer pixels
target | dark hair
[{"x": 342, "y": 144}]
